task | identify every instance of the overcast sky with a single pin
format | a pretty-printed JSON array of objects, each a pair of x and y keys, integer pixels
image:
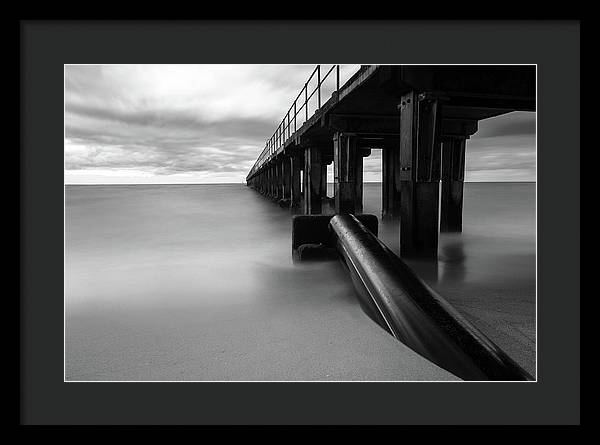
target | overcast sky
[{"x": 208, "y": 123}]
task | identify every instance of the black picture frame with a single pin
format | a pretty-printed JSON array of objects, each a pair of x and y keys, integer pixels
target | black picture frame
[{"x": 45, "y": 46}]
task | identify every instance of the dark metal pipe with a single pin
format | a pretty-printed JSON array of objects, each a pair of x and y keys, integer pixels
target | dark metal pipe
[{"x": 414, "y": 313}]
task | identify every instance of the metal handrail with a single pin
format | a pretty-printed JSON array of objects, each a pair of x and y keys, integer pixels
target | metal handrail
[{"x": 284, "y": 130}]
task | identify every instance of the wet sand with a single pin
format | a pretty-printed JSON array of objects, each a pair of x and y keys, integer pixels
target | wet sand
[{"x": 286, "y": 334}]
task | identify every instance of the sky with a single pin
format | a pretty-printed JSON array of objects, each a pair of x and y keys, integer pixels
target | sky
[{"x": 127, "y": 124}]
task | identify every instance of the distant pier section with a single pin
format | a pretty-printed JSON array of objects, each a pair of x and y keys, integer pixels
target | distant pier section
[{"x": 421, "y": 116}]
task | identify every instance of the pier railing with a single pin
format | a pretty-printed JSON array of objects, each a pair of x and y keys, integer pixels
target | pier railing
[{"x": 299, "y": 112}]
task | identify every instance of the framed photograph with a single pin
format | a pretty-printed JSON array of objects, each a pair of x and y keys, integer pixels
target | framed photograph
[{"x": 247, "y": 240}]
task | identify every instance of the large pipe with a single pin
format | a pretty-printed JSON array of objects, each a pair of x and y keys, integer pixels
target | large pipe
[{"x": 414, "y": 313}]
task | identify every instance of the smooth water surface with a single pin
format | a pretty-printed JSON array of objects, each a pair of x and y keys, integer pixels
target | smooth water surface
[{"x": 196, "y": 282}]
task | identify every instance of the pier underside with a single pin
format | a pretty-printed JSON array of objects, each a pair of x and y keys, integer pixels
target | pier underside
[{"x": 421, "y": 117}]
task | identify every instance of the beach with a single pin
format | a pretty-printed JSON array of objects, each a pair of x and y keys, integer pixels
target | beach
[{"x": 196, "y": 283}]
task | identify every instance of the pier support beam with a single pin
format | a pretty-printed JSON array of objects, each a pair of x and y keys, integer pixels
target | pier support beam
[
  {"x": 315, "y": 177},
  {"x": 348, "y": 173},
  {"x": 390, "y": 181},
  {"x": 420, "y": 153},
  {"x": 453, "y": 176},
  {"x": 295, "y": 167},
  {"x": 358, "y": 203},
  {"x": 286, "y": 169},
  {"x": 280, "y": 180},
  {"x": 275, "y": 181},
  {"x": 267, "y": 181}
]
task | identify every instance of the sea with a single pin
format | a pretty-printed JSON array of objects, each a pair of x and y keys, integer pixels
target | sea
[{"x": 196, "y": 283}]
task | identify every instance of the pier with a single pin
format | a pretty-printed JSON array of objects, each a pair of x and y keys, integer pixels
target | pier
[{"x": 420, "y": 116}]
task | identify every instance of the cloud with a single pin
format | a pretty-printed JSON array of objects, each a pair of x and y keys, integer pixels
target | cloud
[
  {"x": 210, "y": 122},
  {"x": 503, "y": 149},
  {"x": 515, "y": 123},
  {"x": 140, "y": 121}
]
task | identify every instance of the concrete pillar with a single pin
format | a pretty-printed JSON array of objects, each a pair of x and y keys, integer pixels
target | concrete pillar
[
  {"x": 295, "y": 167},
  {"x": 453, "y": 176},
  {"x": 420, "y": 156},
  {"x": 315, "y": 177},
  {"x": 390, "y": 181},
  {"x": 347, "y": 173}
]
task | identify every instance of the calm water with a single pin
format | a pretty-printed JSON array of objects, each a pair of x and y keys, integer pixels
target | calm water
[{"x": 196, "y": 282}]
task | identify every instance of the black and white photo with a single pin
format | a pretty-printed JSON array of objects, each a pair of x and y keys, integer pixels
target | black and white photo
[{"x": 300, "y": 223}]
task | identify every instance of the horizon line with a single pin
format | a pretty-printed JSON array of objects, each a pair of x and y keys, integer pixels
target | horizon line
[{"x": 243, "y": 183}]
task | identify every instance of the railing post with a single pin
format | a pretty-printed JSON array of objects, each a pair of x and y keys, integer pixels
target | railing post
[
  {"x": 306, "y": 99},
  {"x": 337, "y": 69},
  {"x": 319, "y": 86}
]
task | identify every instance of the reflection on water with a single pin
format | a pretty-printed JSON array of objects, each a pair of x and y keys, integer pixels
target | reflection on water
[
  {"x": 453, "y": 258},
  {"x": 197, "y": 282}
]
